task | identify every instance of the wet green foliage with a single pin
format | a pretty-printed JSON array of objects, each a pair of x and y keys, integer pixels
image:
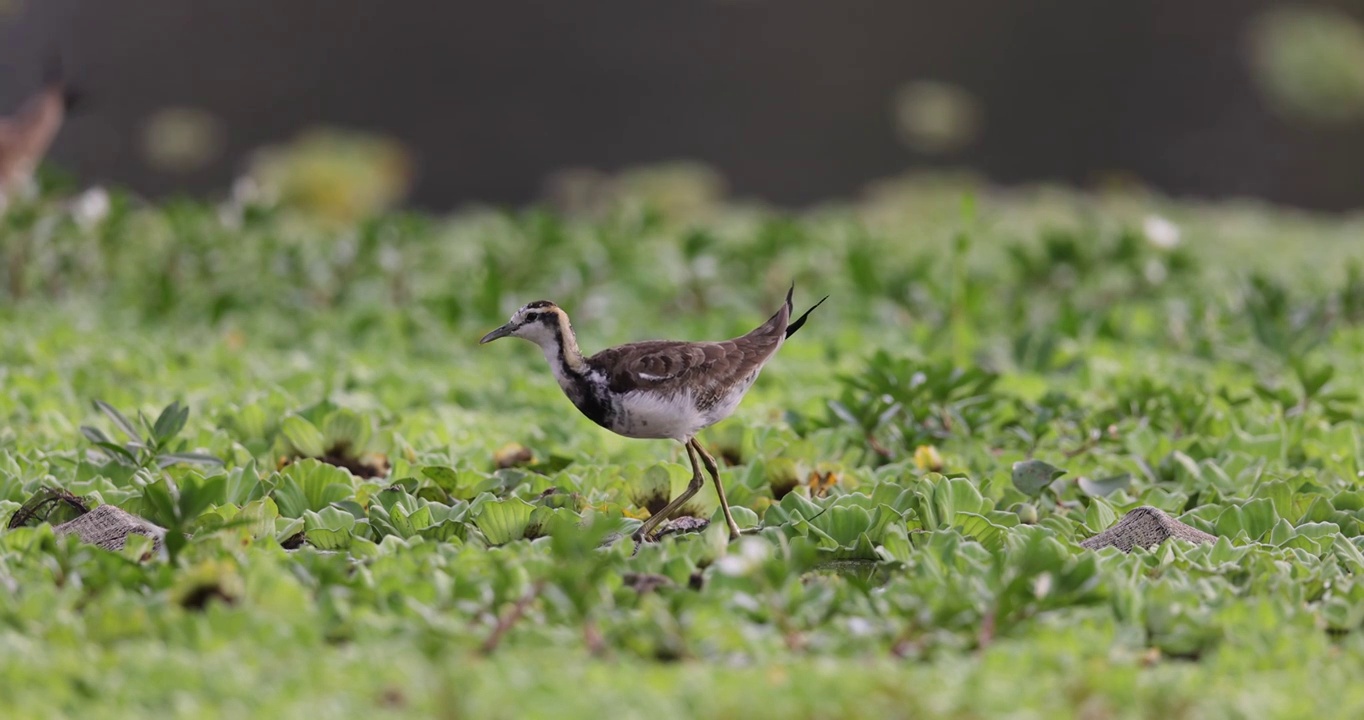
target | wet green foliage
[{"x": 370, "y": 515}]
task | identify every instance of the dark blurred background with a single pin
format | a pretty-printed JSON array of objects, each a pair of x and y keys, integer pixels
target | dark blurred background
[{"x": 791, "y": 101}]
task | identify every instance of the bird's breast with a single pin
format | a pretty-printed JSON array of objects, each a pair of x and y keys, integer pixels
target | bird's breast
[{"x": 644, "y": 414}]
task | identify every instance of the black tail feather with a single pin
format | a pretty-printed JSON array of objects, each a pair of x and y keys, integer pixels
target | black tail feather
[
  {"x": 56, "y": 76},
  {"x": 793, "y": 327},
  {"x": 73, "y": 99}
]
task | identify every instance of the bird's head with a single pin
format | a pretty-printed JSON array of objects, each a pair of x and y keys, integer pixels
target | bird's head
[{"x": 541, "y": 322}]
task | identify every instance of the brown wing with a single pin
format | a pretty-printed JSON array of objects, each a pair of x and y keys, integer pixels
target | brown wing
[
  {"x": 655, "y": 365},
  {"x": 668, "y": 366},
  {"x": 30, "y": 130},
  {"x": 8, "y": 139}
]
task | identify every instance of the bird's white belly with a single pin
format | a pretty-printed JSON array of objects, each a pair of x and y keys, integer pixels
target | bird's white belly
[
  {"x": 650, "y": 415},
  {"x": 723, "y": 408}
]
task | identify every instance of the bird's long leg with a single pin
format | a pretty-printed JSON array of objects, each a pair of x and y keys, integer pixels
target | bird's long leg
[
  {"x": 714, "y": 471},
  {"x": 697, "y": 480}
]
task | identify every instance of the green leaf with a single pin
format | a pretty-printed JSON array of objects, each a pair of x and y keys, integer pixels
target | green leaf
[
  {"x": 411, "y": 524},
  {"x": 1103, "y": 487},
  {"x": 119, "y": 452},
  {"x": 1350, "y": 501},
  {"x": 95, "y": 435},
  {"x": 1190, "y": 465},
  {"x": 1258, "y": 518},
  {"x": 953, "y": 495},
  {"x": 744, "y": 517},
  {"x": 1349, "y": 554},
  {"x": 895, "y": 544},
  {"x": 345, "y": 427},
  {"x": 260, "y": 516},
  {"x": 1229, "y": 523},
  {"x": 1099, "y": 515},
  {"x": 244, "y": 484},
  {"x": 794, "y": 506},
  {"x": 1313, "y": 379},
  {"x": 1280, "y": 494},
  {"x": 310, "y": 485},
  {"x": 1032, "y": 476},
  {"x": 286, "y": 528},
  {"x": 197, "y": 495},
  {"x": 1281, "y": 533},
  {"x": 329, "y": 529},
  {"x": 122, "y": 422},
  {"x": 169, "y": 423},
  {"x": 305, "y": 438},
  {"x": 444, "y": 477},
  {"x": 502, "y": 521},
  {"x": 842, "y": 524},
  {"x": 251, "y": 422},
  {"x": 168, "y": 459},
  {"x": 137, "y": 546},
  {"x": 460, "y": 484},
  {"x": 985, "y": 532},
  {"x": 446, "y": 531},
  {"x": 653, "y": 487},
  {"x": 160, "y": 504},
  {"x": 1313, "y": 537},
  {"x": 549, "y": 521},
  {"x": 1318, "y": 510}
]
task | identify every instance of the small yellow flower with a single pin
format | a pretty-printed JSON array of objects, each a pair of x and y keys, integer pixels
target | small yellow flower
[
  {"x": 513, "y": 455},
  {"x": 635, "y": 513},
  {"x": 926, "y": 457}
]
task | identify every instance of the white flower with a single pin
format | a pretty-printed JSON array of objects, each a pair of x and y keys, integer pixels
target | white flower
[
  {"x": 1160, "y": 232},
  {"x": 91, "y": 207},
  {"x": 752, "y": 553},
  {"x": 1041, "y": 585},
  {"x": 246, "y": 191}
]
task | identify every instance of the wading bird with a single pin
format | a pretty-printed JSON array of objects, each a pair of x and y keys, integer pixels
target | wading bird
[
  {"x": 26, "y": 135},
  {"x": 658, "y": 388}
]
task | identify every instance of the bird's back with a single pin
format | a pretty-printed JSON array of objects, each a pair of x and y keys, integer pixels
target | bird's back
[{"x": 671, "y": 366}]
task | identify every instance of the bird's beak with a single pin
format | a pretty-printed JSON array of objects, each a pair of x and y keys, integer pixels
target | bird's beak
[{"x": 501, "y": 332}]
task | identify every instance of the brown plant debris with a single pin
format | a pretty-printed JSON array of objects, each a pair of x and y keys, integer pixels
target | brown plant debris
[
  {"x": 1145, "y": 527},
  {"x": 371, "y": 465},
  {"x": 109, "y": 526},
  {"x": 683, "y": 524},
  {"x": 44, "y": 504},
  {"x": 199, "y": 597},
  {"x": 644, "y": 583}
]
